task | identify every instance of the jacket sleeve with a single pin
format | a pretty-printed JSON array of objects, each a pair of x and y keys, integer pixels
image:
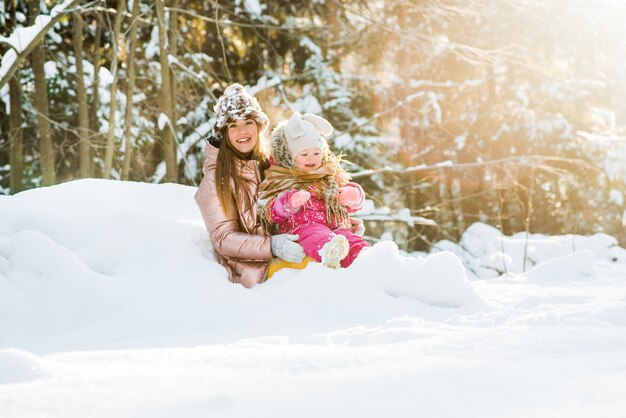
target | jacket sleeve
[
  {"x": 358, "y": 204},
  {"x": 280, "y": 207},
  {"x": 224, "y": 229}
]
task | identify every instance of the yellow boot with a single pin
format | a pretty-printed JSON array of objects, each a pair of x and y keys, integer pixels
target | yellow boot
[{"x": 278, "y": 264}]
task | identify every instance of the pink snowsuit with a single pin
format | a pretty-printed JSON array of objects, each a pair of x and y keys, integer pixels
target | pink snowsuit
[{"x": 310, "y": 223}]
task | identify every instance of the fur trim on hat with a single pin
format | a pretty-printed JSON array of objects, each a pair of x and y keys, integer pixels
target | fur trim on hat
[
  {"x": 279, "y": 148},
  {"x": 237, "y": 104}
]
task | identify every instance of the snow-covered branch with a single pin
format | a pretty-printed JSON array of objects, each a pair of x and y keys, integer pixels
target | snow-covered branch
[
  {"x": 539, "y": 161},
  {"x": 24, "y": 39},
  {"x": 227, "y": 22}
]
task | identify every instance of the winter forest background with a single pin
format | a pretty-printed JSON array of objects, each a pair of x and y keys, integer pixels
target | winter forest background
[{"x": 509, "y": 113}]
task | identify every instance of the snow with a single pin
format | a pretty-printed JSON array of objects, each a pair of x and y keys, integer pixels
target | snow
[
  {"x": 19, "y": 40},
  {"x": 253, "y": 7},
  {"x": 19, "y": 365},
  {"x": 460, "y": 141},
  {"x": 4, "y": 96},
  {"x": 441, "y": 45},
  {"x": 191, "y": 139},
  {"x": 616, "y": 196},
  {"x": 60, "y": 8},
  {"x": 22, "y": 36},
  {"x": 51, "y": 70},
  {"x": 163, "y": 121},
  {"x": 614, "y": 148},
  {"x": 370, "y": 212},
  {"x": 7, "y": 61},
  {"x": 112, "y": 304},
  {"x": 152, "y": 47},
  {"x": 307, "y": 104},
  {"x": 486, "y": 253},
  {"x": 306, "y": 42},
  {"x": 265, "y": 82}
]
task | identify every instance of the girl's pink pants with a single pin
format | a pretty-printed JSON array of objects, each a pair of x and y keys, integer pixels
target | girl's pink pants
[{"x": 314, "y": 236}]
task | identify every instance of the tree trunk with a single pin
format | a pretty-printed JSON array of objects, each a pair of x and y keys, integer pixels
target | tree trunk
[
  {"x": 128, "y": 146},
  {"x": 335, "y": 30},
  {"x": 38, "y": 60},
  {"x": 173, "y": 44},
  {"x": 83, "y": 111},
  {"x": 117, "y": 41},
  {"x": 167, "y": 132},
  {"x": 403, "y": 62},
  {"x": 456, "y": 196},
  {"x": 16, "y": 135},
  {"x": 16, "y": 138},
  {"x": 94, "y": 123},
  {"x": 173, "y": 49},
  {"x": 446, "y": 214}
]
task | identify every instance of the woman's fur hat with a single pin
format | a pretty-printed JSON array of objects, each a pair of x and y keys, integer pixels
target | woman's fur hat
[{"x": 237, "y": 104}]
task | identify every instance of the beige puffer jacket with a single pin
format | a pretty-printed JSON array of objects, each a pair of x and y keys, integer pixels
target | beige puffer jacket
[{"x": 237, "y": 238}]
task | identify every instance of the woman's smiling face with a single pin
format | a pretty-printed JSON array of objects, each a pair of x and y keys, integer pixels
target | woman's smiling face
[
  {"x": 309, "y": 159},
  {"x": 243, "y": 135}
]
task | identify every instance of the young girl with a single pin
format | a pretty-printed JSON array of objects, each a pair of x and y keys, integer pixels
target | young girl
[{"x": 306, "y": 192}]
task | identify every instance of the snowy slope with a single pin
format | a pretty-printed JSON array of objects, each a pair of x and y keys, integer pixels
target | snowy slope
[{"x": 111, "y": 304}]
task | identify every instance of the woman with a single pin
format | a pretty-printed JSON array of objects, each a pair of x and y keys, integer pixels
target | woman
[{"x": 227, "y": 194}]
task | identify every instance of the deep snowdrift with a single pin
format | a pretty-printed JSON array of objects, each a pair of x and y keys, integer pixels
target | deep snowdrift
[
  {"x": 111, "y": 304},
  {"x": 104, "y": 263}
]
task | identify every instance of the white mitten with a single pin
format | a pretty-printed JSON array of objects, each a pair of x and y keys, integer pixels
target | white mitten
[{"x": 285, "y": 246}]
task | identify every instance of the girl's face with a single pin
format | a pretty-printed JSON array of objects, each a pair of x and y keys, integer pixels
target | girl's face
[
  {"x": 309, "y": 159},
  {"x": 243, "y": 135}
]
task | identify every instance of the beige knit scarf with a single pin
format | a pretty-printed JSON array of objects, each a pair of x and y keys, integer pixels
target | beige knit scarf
[{"x": 323, "y": 183}]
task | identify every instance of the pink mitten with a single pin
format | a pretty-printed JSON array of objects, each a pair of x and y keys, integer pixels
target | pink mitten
[
  {"x": 348, "y": 196},
  {"x": 299, "y": 198},
  {"x": 357, "y": 227}
]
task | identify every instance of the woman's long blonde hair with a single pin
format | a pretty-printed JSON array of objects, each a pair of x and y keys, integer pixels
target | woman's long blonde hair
[{"x": 226, "y": 169}]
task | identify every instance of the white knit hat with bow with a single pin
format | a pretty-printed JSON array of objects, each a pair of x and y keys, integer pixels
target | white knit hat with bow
[{"x": 306, "y": 131}]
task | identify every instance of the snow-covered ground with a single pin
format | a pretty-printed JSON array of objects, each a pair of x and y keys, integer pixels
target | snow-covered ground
[{"x": 111, "y": 305}]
